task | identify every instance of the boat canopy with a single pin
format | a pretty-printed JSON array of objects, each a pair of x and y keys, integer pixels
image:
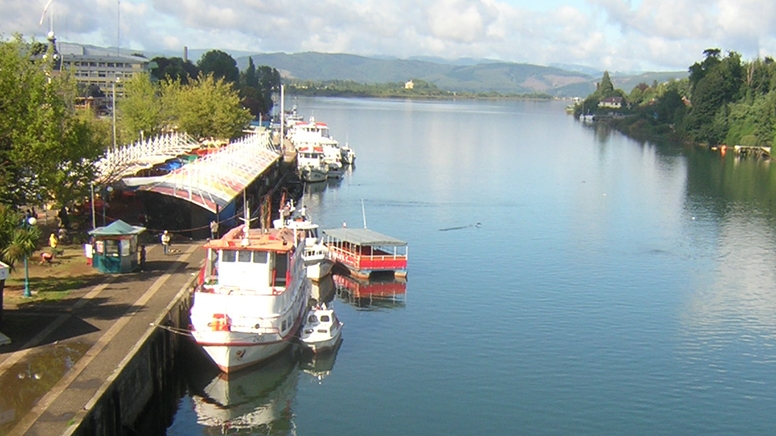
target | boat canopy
[{"x": 363, "y": 237}]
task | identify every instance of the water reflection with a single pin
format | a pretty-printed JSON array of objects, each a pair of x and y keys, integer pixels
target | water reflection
[
  {"x": 26, "y": 382},
  {"x": 375, "y": 293},
  {"x": 319, "y": 365},
  {"x": 246, "y": 402},
  {"x": 323, "y": 290}
]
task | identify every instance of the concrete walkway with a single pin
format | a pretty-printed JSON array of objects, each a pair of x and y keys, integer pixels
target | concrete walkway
[{"x": 69, "y": 350}]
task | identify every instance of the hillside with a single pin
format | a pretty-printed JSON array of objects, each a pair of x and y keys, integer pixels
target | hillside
[{"x": 467, "y": 75}]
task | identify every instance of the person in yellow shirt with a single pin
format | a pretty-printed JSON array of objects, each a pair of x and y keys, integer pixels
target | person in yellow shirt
[{"x": 53, "y": 242}]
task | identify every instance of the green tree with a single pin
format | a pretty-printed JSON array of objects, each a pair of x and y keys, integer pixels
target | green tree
[
  {"x": 606, "y": 87},
  {"x": 140, "y": 109},
  {"x": 698, "y": 70},
  {"x": 174, "y": 68},
  {"x": 42, "y": 142},
  {"x": 268, "y": 82},
  {"x": 249, "y": 78},
  {"x": 668, "y": 106},
  {"x": 206, "y": 107},
  {"x": 221, "y": 65}
]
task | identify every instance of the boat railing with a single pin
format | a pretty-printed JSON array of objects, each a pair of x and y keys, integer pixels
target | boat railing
[{"x": 353, "y": 258}]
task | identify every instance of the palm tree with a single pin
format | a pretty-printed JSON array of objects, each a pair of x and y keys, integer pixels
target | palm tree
[{"x": 17, "y": 239}]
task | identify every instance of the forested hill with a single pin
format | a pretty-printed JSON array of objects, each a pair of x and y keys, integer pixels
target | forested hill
[{"x": 465, "y": 76}]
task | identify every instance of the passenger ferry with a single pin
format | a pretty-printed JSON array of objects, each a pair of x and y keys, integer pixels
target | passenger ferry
[{"x": 252, "y": 297}]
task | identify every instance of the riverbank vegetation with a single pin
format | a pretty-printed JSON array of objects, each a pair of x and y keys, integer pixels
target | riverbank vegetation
[
  {"x": 723, "y": 101},
  {"x": 412, "y": 89}
]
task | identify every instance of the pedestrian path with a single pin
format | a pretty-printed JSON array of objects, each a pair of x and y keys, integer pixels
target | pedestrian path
[{"x": 49, "y": 383}]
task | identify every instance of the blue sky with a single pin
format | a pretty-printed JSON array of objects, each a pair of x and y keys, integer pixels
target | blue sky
[{"x": 617, "y": 35}]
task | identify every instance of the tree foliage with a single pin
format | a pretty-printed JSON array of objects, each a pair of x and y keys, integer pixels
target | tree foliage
[
  {"x": 221, "y": 65},
  {"x": 140, "y": 109},
  {"x": 175, "y": 69},
  {"x": 45, "y": 149},
  {"x": 206, "y": 107},
  {"x": 725, "y": 100}
]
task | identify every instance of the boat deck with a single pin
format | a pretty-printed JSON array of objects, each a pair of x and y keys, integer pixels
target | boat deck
[{"x": 363, "y": 251}]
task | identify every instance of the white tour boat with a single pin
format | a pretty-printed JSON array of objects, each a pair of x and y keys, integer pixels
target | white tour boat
[
  {"x": 252, "y": 297},
  {"x": 316, "y": 133},
  {"x": 310, "y": 164},
  {"x": 322, "y": 330}
]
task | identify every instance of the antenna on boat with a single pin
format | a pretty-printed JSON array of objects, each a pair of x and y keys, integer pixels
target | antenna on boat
[{"x": 363, "y": 212}]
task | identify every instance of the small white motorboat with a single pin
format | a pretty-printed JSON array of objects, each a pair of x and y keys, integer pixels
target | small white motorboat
[{"x": 322, "y": 330}]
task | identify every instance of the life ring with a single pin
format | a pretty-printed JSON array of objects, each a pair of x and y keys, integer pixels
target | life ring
[{"x": 220, "y": 323}]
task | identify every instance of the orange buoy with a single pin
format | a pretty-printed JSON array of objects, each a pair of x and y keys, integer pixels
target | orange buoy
[{"x": 220, "y": 322}]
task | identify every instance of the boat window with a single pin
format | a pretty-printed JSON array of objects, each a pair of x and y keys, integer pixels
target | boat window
[
  {"x": 283, "y": 327},
  {"x": 259, "y": 257},
  {"x": 325, "y": 318},
  {"x": 312, "y": 319},
  {"x": 228, "y": 256},
  {"x": 244, "y": 256}
]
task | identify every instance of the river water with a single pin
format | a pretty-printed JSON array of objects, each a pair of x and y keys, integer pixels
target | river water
[{"x": 563, "y": 279}]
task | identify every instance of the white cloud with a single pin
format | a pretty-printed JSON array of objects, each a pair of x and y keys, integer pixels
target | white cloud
[{"x": 612, "y": 34}]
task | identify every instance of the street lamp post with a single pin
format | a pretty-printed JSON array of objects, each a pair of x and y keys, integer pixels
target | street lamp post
[{"x": 28, "y": 222}]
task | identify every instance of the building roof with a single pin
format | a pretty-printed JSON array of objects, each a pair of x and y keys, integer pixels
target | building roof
[
  {"x": 71, "y": 50},
  {"x": 117, "y": 228},
  {"x": 364, "y": 237}
]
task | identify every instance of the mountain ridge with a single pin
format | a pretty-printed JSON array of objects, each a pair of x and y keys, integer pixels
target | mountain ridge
[{"x": 465, "y": 75}]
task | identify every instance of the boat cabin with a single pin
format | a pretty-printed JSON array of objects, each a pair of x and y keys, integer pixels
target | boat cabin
[
  {"x": 258, "y": 261},
  {"x": 364, "y": 251}
]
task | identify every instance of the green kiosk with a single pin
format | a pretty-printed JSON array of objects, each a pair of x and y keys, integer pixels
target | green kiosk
[{"x": 115, "y": 246}]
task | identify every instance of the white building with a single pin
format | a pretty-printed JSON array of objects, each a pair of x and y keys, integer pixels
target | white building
[{"x": 101, "y": 67}]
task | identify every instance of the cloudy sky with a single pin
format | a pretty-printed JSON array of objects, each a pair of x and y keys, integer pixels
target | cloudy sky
[{"x": 618, "y": 35}]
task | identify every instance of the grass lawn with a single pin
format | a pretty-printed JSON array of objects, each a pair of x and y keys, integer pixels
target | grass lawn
[{"x": 53, "y": 281}]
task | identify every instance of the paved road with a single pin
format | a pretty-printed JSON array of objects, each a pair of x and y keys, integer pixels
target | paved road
[{"x": 67, "y": 351}]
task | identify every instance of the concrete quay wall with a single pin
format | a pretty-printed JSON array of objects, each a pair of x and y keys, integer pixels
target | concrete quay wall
[{"x": 145, "y": 372}]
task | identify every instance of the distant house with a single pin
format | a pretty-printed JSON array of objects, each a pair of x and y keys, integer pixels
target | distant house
[
  {"x": 409, "y": 85},
  {"x": 611, "y": 102}
]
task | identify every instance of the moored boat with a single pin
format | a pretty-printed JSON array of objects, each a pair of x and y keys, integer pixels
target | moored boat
[
  {"x": 252, "y": 297},
  {"x": 310, "y": 164},
  {"x": 315, "y": 252},
  {"x": 347, "y": 155},
  {"x": 322, "y": 330},
  {"x": 364, "y": 251}
]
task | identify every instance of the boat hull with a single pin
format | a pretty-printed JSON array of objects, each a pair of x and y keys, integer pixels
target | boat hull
[
  {"x": 238, "y": 350},
  {"x": 324, "y": 346},
  {"x": 318, "y": 270},
  {"x": 313, "y": 175}
]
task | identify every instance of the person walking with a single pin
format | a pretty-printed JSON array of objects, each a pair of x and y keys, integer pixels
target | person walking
[
  {"x": 142, "y": 257},
  {"x": 166, "y": 242},
  {"x": 213, "y": 229}
]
